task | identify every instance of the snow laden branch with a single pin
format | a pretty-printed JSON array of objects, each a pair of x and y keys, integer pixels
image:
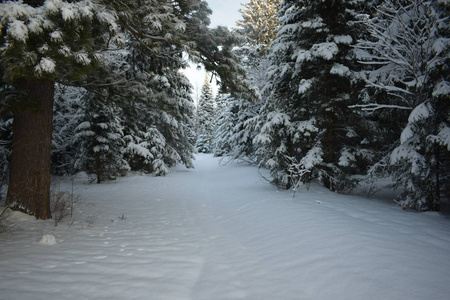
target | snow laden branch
[
  {"x": 372, "y": 107},
  {"x": 48, "y": 40},
  {"x": 405, "y": 45}
]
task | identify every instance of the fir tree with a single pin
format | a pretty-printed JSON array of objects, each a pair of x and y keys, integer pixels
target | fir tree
[
  {"x": 42, "y": 42},
  {"x": 309, "y": 131},
  {"x": 68, "y": 114},
  {"x": 260, "y": 22},
  {"x": 238, "y": 119},
  {"x": 206, "y": 119},
  {"x": 410, "y": 54},
  {"x": 235, "y": 124},
  {"x": 100, "y": 140},
  {"x": 226, "y": 118}
]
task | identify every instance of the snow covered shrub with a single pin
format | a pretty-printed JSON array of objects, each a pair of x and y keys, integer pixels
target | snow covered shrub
[{"x": 62, "y": 205}]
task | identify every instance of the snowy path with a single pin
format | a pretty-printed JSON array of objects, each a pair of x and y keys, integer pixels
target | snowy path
[{"x": 222, "y": 233}]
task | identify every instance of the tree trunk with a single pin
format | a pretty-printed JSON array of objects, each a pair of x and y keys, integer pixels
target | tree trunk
[
  {"x": 29, "y": 181},
  {"x": 99, "y": 167}
]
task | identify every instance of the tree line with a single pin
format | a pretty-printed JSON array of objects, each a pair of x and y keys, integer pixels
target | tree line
[
  {"x": 334, "y": 91},
  {"x": 96, "y": 86},
  {"x": 351, "y": 92}
]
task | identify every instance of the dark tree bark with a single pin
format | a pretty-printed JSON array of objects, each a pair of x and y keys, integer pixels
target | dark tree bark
[{"x": 30, "y": 172}]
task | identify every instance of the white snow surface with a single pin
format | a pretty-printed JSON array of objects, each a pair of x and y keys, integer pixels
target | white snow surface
[{"x": 222, "y": 233}]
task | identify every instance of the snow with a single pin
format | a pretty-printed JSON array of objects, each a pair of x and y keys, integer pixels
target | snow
[
  {"x": 343, "y": 39},
  {"x": 18, "y": 30},
  {"x": 325, "y": 50},
  {"x": 420, "y": 112},
  {"x": 443, "y": 136},
  {"x": 56, "y": 36},
  {"x": 68, "y": 12},
  {"x": 224, "y": 233},
  {"x": 53, "y": 6},
  {"x": 346, "y": 158},
  {"x": 440, "y": 44},
  {"x": 302, "y": 55},
  {"x": 48, "y": 239},
  {"x": 406, "y": 134},
  {"x": 46, "y": 65},
  {"x": 340, "y": 70},
  {"x": 305, "y": 85},
  {"x": 442, "y": 88},
  {"x": 314, "y": 23},
  {"x": 82, "y": 58}
]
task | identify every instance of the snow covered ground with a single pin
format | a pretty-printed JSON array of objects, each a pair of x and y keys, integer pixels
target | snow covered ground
[{"x": 222, "y": 233}]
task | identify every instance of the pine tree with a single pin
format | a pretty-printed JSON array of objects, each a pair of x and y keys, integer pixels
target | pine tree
[
  {"x": 235, "y": 124},
  {"x": 206, "y": 119},
  {"x": 238, "y": 119},
  {"x": 68, "y": 114},
  {"x": 226, "y": 118},
  {"x": 260, "y": 22},
  {"x": 410, "y": 55},
  {"x": 44, "y": 41},
  {"x": 309, "y": 131},
  {"x": 100, "y": 140}
]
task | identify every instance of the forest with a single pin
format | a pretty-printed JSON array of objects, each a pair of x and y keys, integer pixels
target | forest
[{"x": 339, "y": 92}]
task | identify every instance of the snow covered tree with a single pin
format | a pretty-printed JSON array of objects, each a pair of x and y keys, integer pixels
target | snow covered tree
[
  {"x": 309, "y": 131},
  {"x": 409, "y": 52},
  {"x": 206, "y": 119},
  {"x": 234, "y": 134},
  {"x": 158, "y": 111},
  {"x": 100, "y": 140},
  {"x": 224, "y": 126},
  {"x": 238, "y": 119},
  {"x": 157, "y": 138},
  {"x": 260, "y": 22},
  {"x": 68, "y": 114},
  {"x": 41, "y": 42}
]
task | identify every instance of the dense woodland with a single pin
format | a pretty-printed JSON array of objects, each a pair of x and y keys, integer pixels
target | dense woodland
[{"x": 342, "y": 92}]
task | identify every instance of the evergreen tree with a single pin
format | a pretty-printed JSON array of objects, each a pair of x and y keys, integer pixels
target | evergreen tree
[
  {"x": 222, "y": 144},
  {"x": 100, "y": 140},
  {"x": 309, "y": 131},
  {"x": 206, "y": 119},
  {"x": 410, "y": 54},
  {"x": 234, "y": 134},
  {"x": 237, "y": 120},
  {"x": 44, "y": 41},
  {"x": 260, "y": 22},
  {"x": 68, "y": 114}
]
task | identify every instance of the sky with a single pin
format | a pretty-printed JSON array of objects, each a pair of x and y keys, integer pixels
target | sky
[{"x": 225, "y": 13}]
